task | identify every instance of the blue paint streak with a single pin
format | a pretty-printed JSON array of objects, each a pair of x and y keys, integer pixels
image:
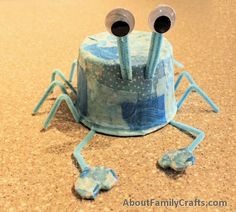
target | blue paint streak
[
  {"x": 107, "y": 53},
  {"x": 191, "y": 159},
  {"x": 82, "y": 102},
  {"x": 160, "y": 70},
  {"x": 144, "y": 114},
  {"x": 84, "y": 173}
]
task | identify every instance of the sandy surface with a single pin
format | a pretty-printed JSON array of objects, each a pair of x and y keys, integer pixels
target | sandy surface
[{"x": 36, "y": 170}]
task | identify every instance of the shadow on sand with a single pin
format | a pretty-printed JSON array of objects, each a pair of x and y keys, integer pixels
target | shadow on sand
[{"x": 170, "y": 173}]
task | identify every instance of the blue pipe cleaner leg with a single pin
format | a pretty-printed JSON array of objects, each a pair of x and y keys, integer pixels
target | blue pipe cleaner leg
[
  {"x": 77, "y": 152},
  {"x": 67, "y": 99},
  {"x": 188, "y": 77},
  {"x": 92, "y": 179},
  {"x": 72, "y": 70},
  {"x": 200, "y": 134},
  {"x": 178, "y": 64},
  {"x": 62, "y": 76},
  {"x": 194, "y": 87},
  {"x": 180, "y": 159},
  {"x": 47, "y": 93}
]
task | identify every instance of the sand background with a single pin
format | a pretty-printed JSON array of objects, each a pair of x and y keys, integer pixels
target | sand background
[{"x": 36, "y": 170}]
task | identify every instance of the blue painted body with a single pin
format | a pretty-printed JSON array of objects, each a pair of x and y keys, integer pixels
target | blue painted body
[{"x": 113, "y": 105}]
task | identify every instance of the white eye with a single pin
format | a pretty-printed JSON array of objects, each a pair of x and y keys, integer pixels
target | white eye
[
  {"x": 161, "y": 19},
  {"x": 120, "y": 22}
]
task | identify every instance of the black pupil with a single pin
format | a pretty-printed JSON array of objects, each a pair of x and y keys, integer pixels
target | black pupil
[
  {"x": 120, "y": 28},
  {"x": 162, "y": 24}
]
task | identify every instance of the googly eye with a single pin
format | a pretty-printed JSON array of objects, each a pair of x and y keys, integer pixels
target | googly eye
[
  {"x": 161, "y": 19},
  {"x": 119, "y": 22}
]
